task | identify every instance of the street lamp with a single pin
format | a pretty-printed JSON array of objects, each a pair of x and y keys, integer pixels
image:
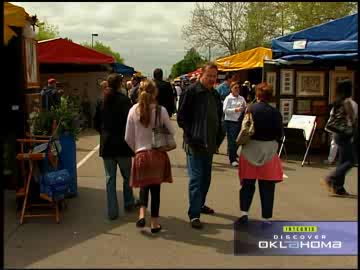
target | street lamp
[{"x": 92, "y": 39}]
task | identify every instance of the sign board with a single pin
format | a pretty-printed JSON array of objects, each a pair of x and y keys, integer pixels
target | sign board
[
  {"x": 299, "y": 44},
  {"x": 305, "y": 122}
]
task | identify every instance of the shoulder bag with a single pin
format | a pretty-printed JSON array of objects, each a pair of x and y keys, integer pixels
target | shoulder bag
[
  {"x": 247, "y": 128},
  {"x": 162, "y": 139}
]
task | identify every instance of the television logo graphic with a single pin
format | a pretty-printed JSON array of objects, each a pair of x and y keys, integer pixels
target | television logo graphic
[{"x": 296, "y": 238}]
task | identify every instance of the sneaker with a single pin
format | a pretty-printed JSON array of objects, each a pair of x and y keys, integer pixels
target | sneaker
[
  {"x": 196, "y": 223},
  {"x": 234, "y": 163},
  {"x": 207, "y": 210},
  {"x": 342, "y": 192},
  {"x": 242, "y": 220}
]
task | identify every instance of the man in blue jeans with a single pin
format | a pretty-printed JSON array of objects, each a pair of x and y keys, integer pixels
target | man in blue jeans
[{"x": 199, "y": 115}]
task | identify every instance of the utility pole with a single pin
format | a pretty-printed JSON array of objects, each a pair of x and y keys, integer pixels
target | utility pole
[
  {"x": 92, "y": 39},
  {"x": 209, "y": 53}
]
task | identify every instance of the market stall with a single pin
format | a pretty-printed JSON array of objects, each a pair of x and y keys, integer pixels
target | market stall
[
  {"x": 22, "y": 76},
  {"x": 247, "y": 64},
  {"x": 307, "y": 65}
]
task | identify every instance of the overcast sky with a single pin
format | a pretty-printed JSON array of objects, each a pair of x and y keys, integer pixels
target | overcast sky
[{"x": 147, "y": 35}]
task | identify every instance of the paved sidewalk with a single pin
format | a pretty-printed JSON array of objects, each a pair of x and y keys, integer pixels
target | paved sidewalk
[{"x": 85, "y": 239}]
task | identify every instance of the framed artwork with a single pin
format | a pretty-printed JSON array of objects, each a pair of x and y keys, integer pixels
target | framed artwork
[
  {"x": 271, "y": 79},
  {"x": 319, "y": 107},
  {"x": 287, "y": 82},
  {"x": 310, "y": 83},
  {"x": 286, "y": 109},
  {"x": 335, "y": 77},
  {"x": 303, "y": 107},
  {"x": 31, "y": 64}
]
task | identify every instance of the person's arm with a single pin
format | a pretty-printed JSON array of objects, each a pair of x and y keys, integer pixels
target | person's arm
[
  {"x": 130, "y": 132},
  {"x": 97, "y": 117},
  {"x": 165, "y": 119},
  {"x": 184, "y": 112},
  {"x": 349, "y": 111}
]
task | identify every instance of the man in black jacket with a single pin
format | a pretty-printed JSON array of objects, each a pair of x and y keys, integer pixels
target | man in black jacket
[
  {"x": 110, "y": 121},
  {"x": 199, "y": 115},
  {"x": 165, "y": 96}
]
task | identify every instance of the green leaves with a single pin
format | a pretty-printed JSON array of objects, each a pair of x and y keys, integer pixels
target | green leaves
[
  {"x": 192, "y": 60},
  {"x": 47, "y": 31},
  {"x": 100, "y": 47},
  {"x": 67, "y": 112}
]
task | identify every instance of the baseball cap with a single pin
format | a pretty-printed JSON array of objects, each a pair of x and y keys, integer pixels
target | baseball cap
[{"x": 52, "y": 80}]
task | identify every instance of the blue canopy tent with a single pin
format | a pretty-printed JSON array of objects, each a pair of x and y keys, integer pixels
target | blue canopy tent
[
  {"x": 335, "y": 40},
  {"x": 123, "y": 69}
]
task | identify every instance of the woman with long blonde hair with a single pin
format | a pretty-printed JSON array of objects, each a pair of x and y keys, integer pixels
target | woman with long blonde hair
[{"x": 150, "y": 167}]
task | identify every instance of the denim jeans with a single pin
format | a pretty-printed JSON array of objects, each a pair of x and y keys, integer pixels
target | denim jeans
[
  {"x": 199, "y": 169},
  {"x": 345, "y": 161},
  {"x": 110, "y": 165},
  {"x": 232, "y": 131}
]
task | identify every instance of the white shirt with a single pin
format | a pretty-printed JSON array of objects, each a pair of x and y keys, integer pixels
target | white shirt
[
  {"x": 139, "y": 137},
  {"x": 178, "y": 90},
  {"x": 230, "y": 104}
]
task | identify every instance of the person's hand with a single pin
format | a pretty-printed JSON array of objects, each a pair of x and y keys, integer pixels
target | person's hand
[{"x": 238, "y": 109}]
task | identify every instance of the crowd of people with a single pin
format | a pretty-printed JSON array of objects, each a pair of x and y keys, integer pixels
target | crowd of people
[
  {"x": 206, "y": 112},
  {"x": 126, "y": 115},
  {"x": 125, "y": 121}
]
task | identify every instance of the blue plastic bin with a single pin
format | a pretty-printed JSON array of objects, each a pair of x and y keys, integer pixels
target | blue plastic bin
[{"x": 68, "y": 156}]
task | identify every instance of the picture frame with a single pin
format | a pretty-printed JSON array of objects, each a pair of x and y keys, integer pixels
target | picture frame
[
  {"x": 310, "y": 83},
  {"x": 303, "y": 106},
  {"x": 271, "y": 79},
  {"x": 286, "y": 109},
  {"x": 31, "y": 63},
  {"x": 319, "y": 107},
  {"x": 338, "y": 75},
  {"x": 287, "y": 82}
]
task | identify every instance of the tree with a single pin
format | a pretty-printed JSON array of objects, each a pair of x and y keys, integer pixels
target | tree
[
  {"x": 192, "y": 60},
  {"x": 307, "y": 14},
  {"x": 241, "y": 26},
  {"x": 47, "y": 31},
  {"x": 218, "y": 24},
  {"x": 100, "y": 47}
]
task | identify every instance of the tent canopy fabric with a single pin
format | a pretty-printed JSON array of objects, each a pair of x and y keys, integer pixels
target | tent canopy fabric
[
  {"x": 250, "y": 59},
  {"x": 13, "y": 16},
  {"x": 330, "y": 40},
  {"x": 62, "y": 51},
  {"x": 123, "y": 69},
  {"x": 195, "y": 72}
]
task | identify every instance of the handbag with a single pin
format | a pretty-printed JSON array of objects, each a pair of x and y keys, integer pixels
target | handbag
[
  {"x": 55, "y": 182},
  {"x": 337, "y": 122},
  {"x": 162, "y": 139},
  {"x": 247, "y": 128}
]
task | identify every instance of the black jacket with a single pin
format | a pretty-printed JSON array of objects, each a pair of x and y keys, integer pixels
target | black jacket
[
  {"x": 192, "y": 114},
  {"x": 134, "y": 93},
  {"x": 165, "y": 96},
  {"x": 110, "y": 121}
]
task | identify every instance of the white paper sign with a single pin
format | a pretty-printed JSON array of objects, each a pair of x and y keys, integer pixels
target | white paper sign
[
  {"x": 299, "y": 44},
  {"x": 304, "y": 122}
]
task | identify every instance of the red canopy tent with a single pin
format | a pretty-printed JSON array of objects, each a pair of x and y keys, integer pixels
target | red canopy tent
[{"x": 62, "y": 51}]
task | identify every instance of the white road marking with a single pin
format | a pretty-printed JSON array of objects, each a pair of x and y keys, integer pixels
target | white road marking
[{"x": 87, "y": 156}]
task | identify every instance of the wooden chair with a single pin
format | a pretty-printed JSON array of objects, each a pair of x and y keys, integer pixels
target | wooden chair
[{"x": 24, "y": 192}]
